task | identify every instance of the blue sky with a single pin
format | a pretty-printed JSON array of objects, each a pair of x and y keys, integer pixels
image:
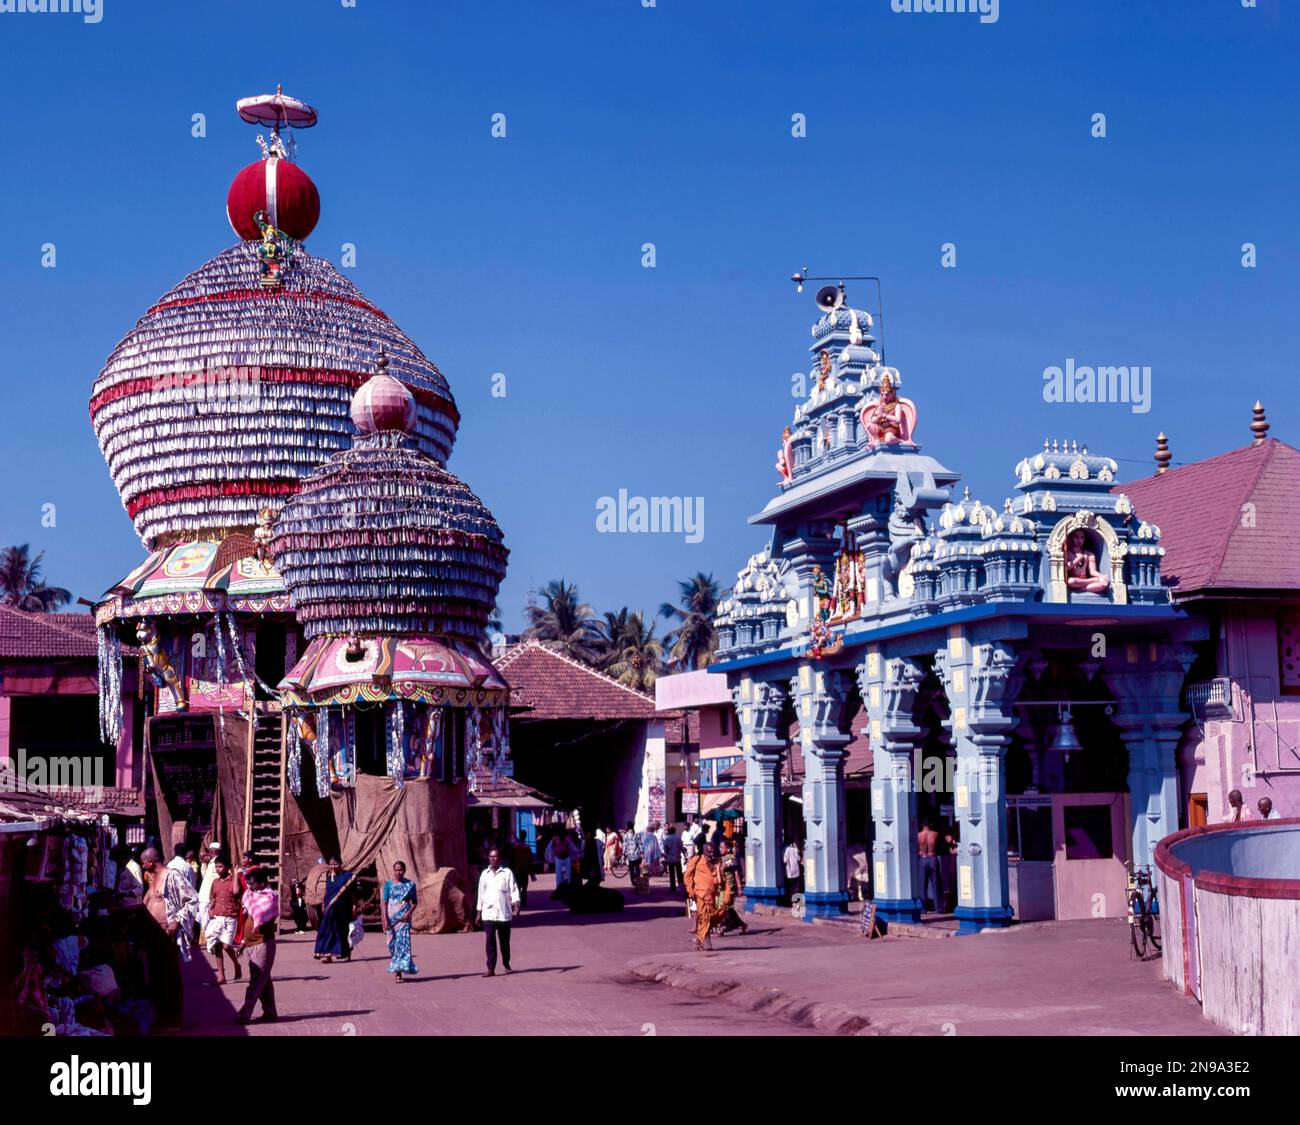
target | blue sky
[{"x": 671, "y": 125}]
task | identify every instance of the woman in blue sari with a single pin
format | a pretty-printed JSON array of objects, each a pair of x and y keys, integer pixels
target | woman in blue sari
[
  {"x": 398, "y": 906},
  {"x": 336, "y": 917}
]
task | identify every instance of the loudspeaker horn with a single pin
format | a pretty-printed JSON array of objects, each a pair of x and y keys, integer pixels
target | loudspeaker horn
[{"x": 830, "y": 298}]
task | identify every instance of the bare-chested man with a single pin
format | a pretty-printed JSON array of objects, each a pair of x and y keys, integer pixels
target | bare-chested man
[{"x": 927, "y": 845}]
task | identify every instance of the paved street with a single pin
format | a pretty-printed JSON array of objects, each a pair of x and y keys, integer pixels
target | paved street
[
  {"x": 570, "y": 978},
  {"x": 596, "y": 975}
]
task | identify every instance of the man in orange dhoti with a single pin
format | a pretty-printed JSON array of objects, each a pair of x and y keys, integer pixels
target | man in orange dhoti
[{"x": 703, "y": 880}]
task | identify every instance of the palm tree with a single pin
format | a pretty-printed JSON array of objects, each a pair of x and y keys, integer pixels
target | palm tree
[
  {"x": 612, "y": 632},
  {"x": 22, "y": 586},
  {"x": 638, "y": 658},
  {"x": 565, "y": 623},
  {"x": 692, "y": 641}
]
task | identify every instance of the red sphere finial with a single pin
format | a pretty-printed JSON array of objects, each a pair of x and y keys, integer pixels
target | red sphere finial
[
  {"x": 274, "y": 184},
  {"x": 281, "y": 189}
]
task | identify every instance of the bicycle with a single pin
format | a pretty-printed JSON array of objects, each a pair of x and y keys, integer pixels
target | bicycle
[{"x": 1143, "y": 910}]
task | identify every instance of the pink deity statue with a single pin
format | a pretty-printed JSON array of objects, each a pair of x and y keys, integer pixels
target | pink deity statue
[
  {"x": 890, "y": 419},
  {"x": 1081, "y": 571},
  {"x": 785, "y": 457}
]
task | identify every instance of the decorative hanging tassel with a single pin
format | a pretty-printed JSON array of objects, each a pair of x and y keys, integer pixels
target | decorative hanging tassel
[
  {"x": 110, "y": 685},
  {"x": 433, "y": 731},
  {"x": 323, "y": 753},
  {"x": 295, "y": 755},
  {"x": 500, "y": 741},
  {"x": 101, "y": 652},
  {"x": 221, "y": 678},
  {"x": 221, "y": 654},
  {"x": 397, "y": 742},
  {"x": 244, "y": 673},
  {"x": 473, "y": 747}
]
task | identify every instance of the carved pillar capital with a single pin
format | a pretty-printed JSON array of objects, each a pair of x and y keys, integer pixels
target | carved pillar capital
[
  {"x": 889, "y": 688},
  {"x": 760, "y": 705}
]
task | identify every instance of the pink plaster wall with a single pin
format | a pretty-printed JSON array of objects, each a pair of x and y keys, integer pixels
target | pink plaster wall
[
  {"x": 712, "y": 736},
  {"x": 4, "y": 726},
  {"x": 1258, "y": 749},
  {"x": 130, "y": 774},
  {"x": 1079, "y": 880}
]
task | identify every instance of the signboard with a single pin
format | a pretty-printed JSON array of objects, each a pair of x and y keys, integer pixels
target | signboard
[
  {"x": 870, "y": 927},
  {"x": 690, "y": 802}
]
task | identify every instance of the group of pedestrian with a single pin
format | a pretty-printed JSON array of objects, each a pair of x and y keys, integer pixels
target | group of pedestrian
[
  {"x": 231, "y": 910},
  {"x": 713, "y": 884}
]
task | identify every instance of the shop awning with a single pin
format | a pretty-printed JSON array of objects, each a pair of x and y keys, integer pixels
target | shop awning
[{"x": 715, "y": 800}]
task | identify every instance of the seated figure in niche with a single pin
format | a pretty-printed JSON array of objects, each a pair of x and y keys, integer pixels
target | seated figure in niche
[
  {"x": 1081, "y": 573},
  {"x": 890, "y": 419}
]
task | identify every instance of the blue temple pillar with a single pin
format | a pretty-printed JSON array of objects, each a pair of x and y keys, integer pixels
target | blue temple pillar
[
  {"x": 1146, "y": 679},
  {"x": 760, "y": 707},
  {"x": 820, "y": 697},
  {"x": 889, "y": 688},
  {"x": 981, "y": 682}
]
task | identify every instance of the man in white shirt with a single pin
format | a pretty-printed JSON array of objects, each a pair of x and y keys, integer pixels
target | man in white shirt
[
  {"x": 498, "y": 903},
  {"x": 180, "y": 865},
  {"x": 690, "y": 839},
  {"x": 792, "y": 867},
  {"x": 1266, "y": 809}
]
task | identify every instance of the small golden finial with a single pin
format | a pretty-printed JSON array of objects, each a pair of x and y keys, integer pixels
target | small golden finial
[
  {"x": 1259, "y": 424},
  {"x": 382, "y": 361},
  {"x": 1162, "y": 454}
]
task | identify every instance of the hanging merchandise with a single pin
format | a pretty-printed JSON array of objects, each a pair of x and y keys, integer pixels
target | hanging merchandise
[
  {"x": 73, "y": 895},
  {"x": 323, "y": 753}
]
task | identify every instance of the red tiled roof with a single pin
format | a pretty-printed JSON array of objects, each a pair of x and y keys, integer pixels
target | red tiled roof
[
  {"x": 20, "y": 800},
  {"x": 506, "y": 792},
  {"x": 553, "y": 686},
  {"x": 1212, "y": 541},
  {"x": 39, "y": 636}
]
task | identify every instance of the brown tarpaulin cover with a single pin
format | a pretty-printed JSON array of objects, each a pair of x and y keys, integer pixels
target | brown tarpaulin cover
[
  {"x": 227, "y": 801},
  {"x": 422, "y": 824},
  {"x": 232, "y": 783},
  {"x": 160, "y": 798}
]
